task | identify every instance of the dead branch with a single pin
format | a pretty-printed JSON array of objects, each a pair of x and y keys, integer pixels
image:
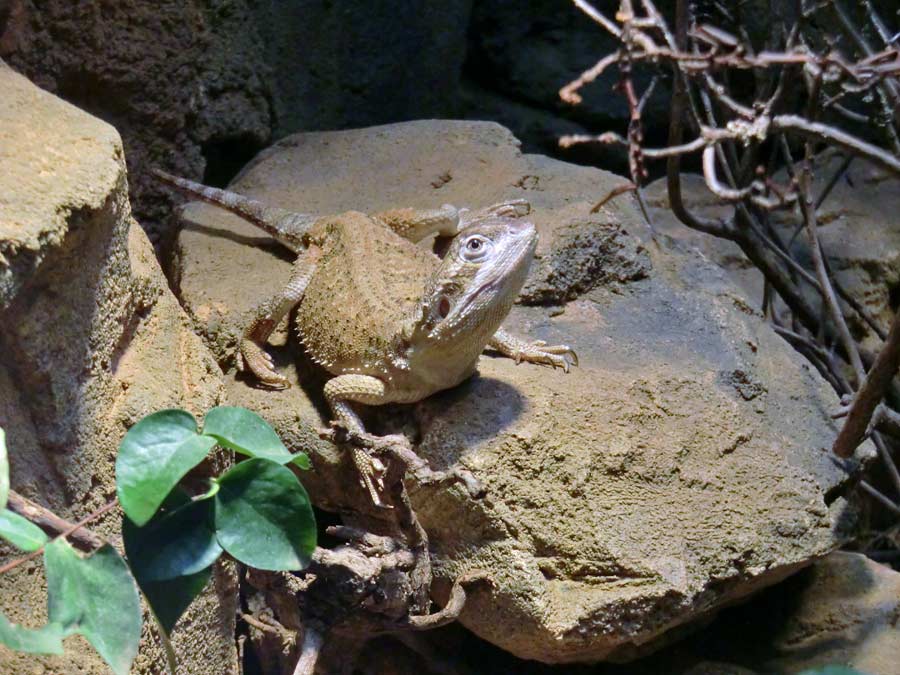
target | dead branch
[
  {"x": 871, "y": 392},
  {"x": 851, "y": 78},
  {"x": 370, "y": 584},
  {"x": 309, "y": 651},
  {"x": 80, "y": 537},
  {"x": 69, "y": 530}
]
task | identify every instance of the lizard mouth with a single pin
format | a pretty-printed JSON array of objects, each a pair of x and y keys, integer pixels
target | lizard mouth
[{"x": 488, "y": 285}]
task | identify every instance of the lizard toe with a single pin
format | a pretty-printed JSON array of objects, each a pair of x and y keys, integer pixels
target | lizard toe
[
  {"x": 261, "y": 364},
  {"x": 555, "y": 356}
]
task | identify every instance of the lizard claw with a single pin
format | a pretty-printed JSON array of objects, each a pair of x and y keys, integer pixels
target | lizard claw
[
  {"x": 259, "y": 362},
  {"x": 557, "y": 356}
]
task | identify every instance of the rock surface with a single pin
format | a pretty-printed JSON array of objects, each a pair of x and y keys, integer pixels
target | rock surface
[
  {"x": 196, "y": 86},
  {"x": 847, "y": 613},
  {"x": 858, "y": 229},
  {"x": 681, "y": 467},
  {"x": 841, "y": 610},
  {"x": 92, "y": 340}
]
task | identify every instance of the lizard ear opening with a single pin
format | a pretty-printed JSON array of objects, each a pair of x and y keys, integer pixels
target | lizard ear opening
[{"x": 443, "y": 307}]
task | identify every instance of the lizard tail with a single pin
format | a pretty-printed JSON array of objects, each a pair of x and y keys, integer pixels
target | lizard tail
[{"x": 285, "y": 226}]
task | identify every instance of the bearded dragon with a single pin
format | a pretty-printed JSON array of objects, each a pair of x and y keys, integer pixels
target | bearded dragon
[{"x": 389, "y": 319}]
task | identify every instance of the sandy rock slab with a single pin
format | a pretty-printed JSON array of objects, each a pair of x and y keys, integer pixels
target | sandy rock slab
[
  {"x": 91, "y": 340},
  {"x": 682, "y": 466}
]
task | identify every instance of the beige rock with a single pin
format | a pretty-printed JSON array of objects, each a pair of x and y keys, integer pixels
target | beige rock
[
  {"x": 846, "y": 614},
  {"x": 92, "y": 340},
  {"x": 681, "y": 467}
]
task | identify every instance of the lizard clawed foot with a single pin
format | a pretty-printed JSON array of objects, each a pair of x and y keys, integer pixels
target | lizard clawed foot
[
  {"x": 425, "y": 475},
  {"x": 337, "y": 433},
  {"x": 558, "y": 356},
  {"x": 258, "y": 361},
  {"x": 364, "y": 449}
]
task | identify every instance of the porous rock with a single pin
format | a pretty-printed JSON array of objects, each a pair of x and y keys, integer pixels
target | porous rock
[
  {"x": 680, "y": 467},
  {"x": 92, "y": 340}
]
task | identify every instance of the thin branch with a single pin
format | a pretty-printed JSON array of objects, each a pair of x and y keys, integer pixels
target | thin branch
[
  {"x": 884, "y": 500},
  {"x": 807, "y": 209},
  {"x": 592, "y": 12},
  {"x": 712, "y": 181},
  {"x": 74, "y": 528},
  {"x": 610, "y": 138},
  {"x": 835, "y": 177},
  {"x": 51, "y": 523},
  {"x": 886, "y": 458},
  {"x": 718, "y": 228},
  {"x": 451, "y": 611},
  {"x": 569, "y": 92},
  {"x": 816, "y": 131},
  {"x": 309, "y": 652},
  {"x": 871, "y": 392}
]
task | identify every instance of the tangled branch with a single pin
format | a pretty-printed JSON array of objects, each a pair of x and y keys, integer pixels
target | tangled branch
[{"x": 810, "y": 92}]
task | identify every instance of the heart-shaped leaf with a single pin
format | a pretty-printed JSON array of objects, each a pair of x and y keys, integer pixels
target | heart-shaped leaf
[
  {"x": 96, "y": 597},
  {"x": 21, "y": 532},
  {"x": 263, "y": 516},
  {"x": 44, "y": 640},
  {"x": 249, "y": 434},
  {"x": 168, "y": 599},
  {"x": 155, "y": 454},
  {"x": 178, "y": 541}
]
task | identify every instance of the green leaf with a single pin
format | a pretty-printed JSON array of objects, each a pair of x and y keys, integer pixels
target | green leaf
[
  {"x": 21, "y": 532},
  {"x": 263, "y": 516},
  {"x": 302, "y": 461},
  {"x": 96, "y": 597},
  {"x": 178, "y": 541},
  {"x": 249, "y": 434},
  {"x": 171, "y": 557},
  {"x": 168, "y": 599},
  {"x": 44, "y": 640},
  {"x": 4, "y": 470},
  {"x": 155, "y": 454}
]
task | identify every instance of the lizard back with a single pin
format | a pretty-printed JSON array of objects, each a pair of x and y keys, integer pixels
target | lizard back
[{"x": 367, "y": 283}]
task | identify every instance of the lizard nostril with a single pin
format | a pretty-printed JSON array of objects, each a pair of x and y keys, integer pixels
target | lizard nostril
[{"x": 444, "y": 307}]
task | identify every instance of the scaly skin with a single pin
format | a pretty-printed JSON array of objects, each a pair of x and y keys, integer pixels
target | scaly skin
[{"x": 390, "y": 320}]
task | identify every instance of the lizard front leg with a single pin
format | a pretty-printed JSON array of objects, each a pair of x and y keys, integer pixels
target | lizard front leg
[
  {"x": 561, "y": 356},
  {"x": 416, "y": 224},
  {"x": 513, "y": 208},
  {"x": 253, "y": 356},
  {"x": 447, "y": 221},
  {"x": 340, "y": 392}
]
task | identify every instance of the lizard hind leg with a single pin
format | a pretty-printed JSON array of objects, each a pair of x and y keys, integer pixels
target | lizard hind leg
[
  {"x": 253, "y": 355},
  {"x": 347, "y": 427}
]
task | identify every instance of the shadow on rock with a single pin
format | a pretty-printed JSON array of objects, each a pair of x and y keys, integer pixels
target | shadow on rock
[{"x": 460, "y": 434}]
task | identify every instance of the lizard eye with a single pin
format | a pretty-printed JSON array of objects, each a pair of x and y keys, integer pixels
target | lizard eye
[{"x": 475, "y": 248}]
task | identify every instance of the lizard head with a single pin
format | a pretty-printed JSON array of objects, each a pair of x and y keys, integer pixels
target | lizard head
[{"x": 478, "y": 279}]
